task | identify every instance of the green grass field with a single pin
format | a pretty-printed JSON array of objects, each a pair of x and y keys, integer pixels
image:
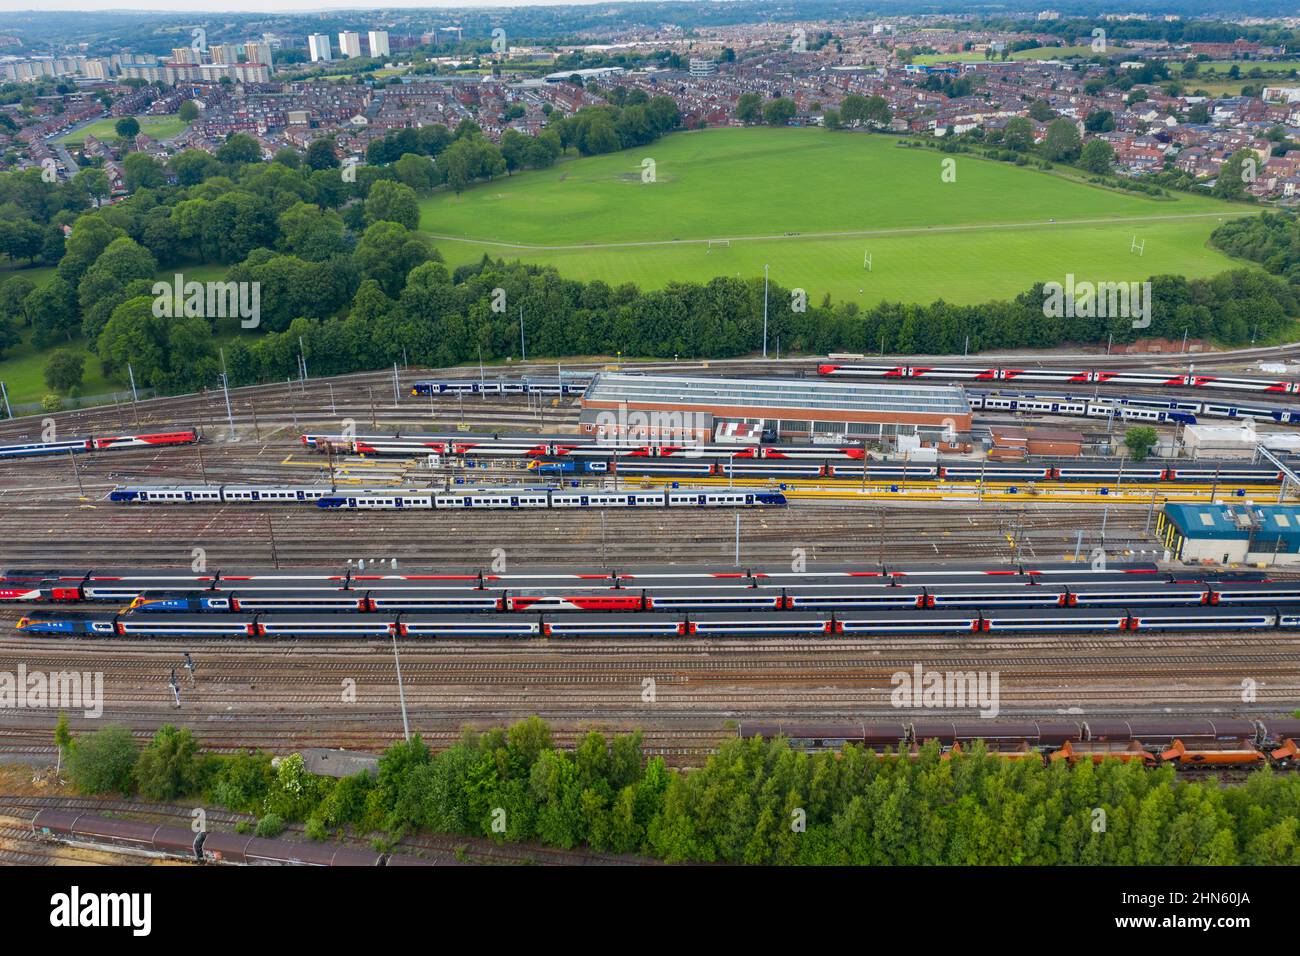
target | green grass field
[
  {"x": 159, "y": 127},
  {"x": 1037, "y": 53},
  {"x": 23, "y": 367},
  {"x": 811, "y": 204},
  {"x": 1267, "y": 67}
]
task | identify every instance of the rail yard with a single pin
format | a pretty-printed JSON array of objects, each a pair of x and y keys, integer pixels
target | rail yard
[{"x": 292, "y": 546}]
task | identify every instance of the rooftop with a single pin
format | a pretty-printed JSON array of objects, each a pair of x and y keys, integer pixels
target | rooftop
[{"x": 790, "y": 393}]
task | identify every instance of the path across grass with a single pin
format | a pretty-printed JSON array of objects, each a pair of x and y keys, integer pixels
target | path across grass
[{"x": 813, "y": 204}]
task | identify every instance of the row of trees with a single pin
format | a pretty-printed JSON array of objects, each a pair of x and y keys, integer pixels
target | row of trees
[{"x": 754, "y": 801}]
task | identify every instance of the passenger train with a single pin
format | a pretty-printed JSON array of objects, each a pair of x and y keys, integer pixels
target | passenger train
[
  {"x": 783, "y": 597},
  {"x": 1128, "y": 409},
  {"x": 975, "y": 373},
  {"x": 1201, "y": 471},
  {"x": 424, "y": 498},
  {"x": 98, "y": 443},
  {"x": 123, "y": 585},
  {"x": 539, "y": 386},
  {"x": 864, "y": 623}
]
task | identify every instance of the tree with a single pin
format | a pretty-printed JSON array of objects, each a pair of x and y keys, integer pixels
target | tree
[
  {"x": 92, "y": 183},
  {"x": 64, "y": 370},
  {"x": 239, "y": 149},
  {"x": 166, "y": 768},
  {"x": 1097, "y": 157},
  {"x": 1235, "y": 174},
  {"x": 142, "y": 171},
  {"x": 831, "y": 119},
  {"x": 1061, "y": 144},
  {"x": 876, "y": 111},
  {"x": 1041, "y": 110},
  {"x": 778, "y": 112},
  {"x": 853, "y": 109},
  {"x": 188, "y": 112},
  {"x": 418, "y": 173},
  {"x": 393, "y": 202},
  {"x": 62, "y": 741},
  {"x": 1099, "y": 121},
  {"x": 1140, "y": 440},
  {"x": 321, "y": 155},
  {"x": 1018, "y": 134},
  {"x": 128, "y": 127},
  {"x": 103, "y": 761},
  {"x": 749, "y": 108}
]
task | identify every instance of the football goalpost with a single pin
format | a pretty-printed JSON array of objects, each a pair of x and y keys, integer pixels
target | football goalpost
[{"x": 717, "y": 244}]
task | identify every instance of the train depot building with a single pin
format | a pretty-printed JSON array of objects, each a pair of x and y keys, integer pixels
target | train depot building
[
  {"x": 801, "y": 410},
  {"x": 1231, "y": 534}
]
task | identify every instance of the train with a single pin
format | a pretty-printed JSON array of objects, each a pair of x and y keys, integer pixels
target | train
[
  {"x": 656, "y": 624},
  {"x": 976, "y": 373},
  {"x": 1129, "y": 409},
  {"x": 1159, "y": 471},
  {"x": 823, "y": 594},
  {"x": 78, "y": 827},
  {"x": 109, "y": 584},
  {"x": 537, "y": 446},
  {"x": 99, "y": 443},
  {"x": 421, "y": 498},
  {"x": 518, "y": 499},
  {"x": 499, "y": 387},
  {"x": 1186, "y": 743}
]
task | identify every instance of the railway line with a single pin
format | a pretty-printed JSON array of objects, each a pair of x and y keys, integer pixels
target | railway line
[
  {"x": 45, "y": 534},
  {"x": 267, "y": 695}
]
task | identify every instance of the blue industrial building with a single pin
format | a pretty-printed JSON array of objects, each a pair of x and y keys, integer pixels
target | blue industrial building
[{"x": 1232, "y": 533}]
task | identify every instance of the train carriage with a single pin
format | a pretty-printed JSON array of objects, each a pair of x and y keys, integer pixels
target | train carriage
[
  {"x": 473, "y": 626},
  {"x": 138, "y": 624},
  {"x": 907, "y": 622},
  {"x": 325, "y": 625},
  {"x": 1060, "y": 619},
  {"x": 1201, "y": 618},
  {"x": 34, "y": 449}
]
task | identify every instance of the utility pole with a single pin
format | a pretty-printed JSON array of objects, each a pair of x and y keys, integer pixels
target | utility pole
[
  {"x": 80, "y": 491},
  {"x": 270, "y": 531},
  {"x": 396, "y": 402},
  {"x": 764, "y": 311},
  {"x": 523, "y": 350},
  {"x": 401, "y": 690},
  {"x": 202, "y": 471},
  {"x": 225, "y": 387},
  {"x": 9, "y": 412},
  {"x": 737, "y": 537}
]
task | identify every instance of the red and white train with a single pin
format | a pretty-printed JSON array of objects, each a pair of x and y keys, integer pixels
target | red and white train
[{"x": 976, "y": 373}]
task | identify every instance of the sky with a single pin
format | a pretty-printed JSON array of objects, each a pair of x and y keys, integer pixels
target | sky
[{"x": 265, "y": 6}]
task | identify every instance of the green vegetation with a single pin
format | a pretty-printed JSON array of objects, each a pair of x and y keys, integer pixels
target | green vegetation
[
  {"x": 102, "y": 762},
  {"x": 1034, "y": 53},
  {"x": 157, "y": 127},
  {"x": 1140, "y": 440},
  {"x": 756, "y": 802},
  {"x": 796, "y": 192},
  {"x": 340, "y": 269}
]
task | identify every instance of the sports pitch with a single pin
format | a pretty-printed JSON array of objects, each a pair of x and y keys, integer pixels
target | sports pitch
[{"x": 815, "y": 205}]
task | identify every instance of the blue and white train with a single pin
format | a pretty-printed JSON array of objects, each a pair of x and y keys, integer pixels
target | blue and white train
[
  {"x": 427, "y": 499},
  {"x": 500, "y": 387},
  {"x": 1128, "y": 409},
  {"x": 546, "y": 498}
]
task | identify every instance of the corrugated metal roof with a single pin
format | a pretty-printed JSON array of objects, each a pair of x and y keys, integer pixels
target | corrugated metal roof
[
  {"x": 1266, "y": 524},
  {"x": 1205, "y": 521}
]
